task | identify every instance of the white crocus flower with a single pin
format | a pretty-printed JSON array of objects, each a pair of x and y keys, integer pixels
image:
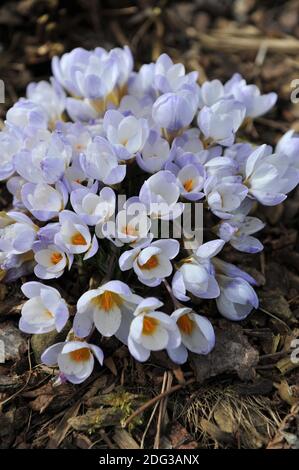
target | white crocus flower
[
  {"x": 74, "y": 358},
  {"x": 160, "y": 194},
  {"x": 126, "y": 133},
  {"x": 131, "y": 225},
  {"x": 50, "y": 96},
  {"x": 104, "y": 307},
  {"x": 44, "y": 311},
  {"x": 151, "y": 263},
  {"x": 151, "y": 330},
  {"x": 197, "y": 274},
  {"x": 197, "y": 334},
  {"x": 17, "y": 233},
  {"x": 51, "y": 262},
  {"x": 270, "y": 177},
  {"x": 74, "y": 236},
  {"x": 94, "y": 209},
  {"x": 44, "y": 201}
]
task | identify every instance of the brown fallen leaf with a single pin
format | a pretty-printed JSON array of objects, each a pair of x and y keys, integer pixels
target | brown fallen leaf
[{"x": 180, "y": 438}]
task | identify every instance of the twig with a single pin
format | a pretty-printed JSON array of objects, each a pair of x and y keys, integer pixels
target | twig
[
  {"x": 151, "y": 402},
  {"x": 148, "y": 425},
  {"x": 275, "y": 318},
  {"x": 160, "y": 414}
]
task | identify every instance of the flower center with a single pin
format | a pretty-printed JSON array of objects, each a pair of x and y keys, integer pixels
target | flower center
[
  {"x": 49, "y": 314},
  {"x": 80, "y": 355},
  {"x": 188, "y": 185},
  {"x": 129, "y": 230},
  {"x": 149, "y": 325},
  {"x": 107, "y": 300},
  {"x": 78, "y": 239},
  {"x": 151, "y": 263},
  {"x": 56, "y": 257},
  {"x": 185, "y": 324}
]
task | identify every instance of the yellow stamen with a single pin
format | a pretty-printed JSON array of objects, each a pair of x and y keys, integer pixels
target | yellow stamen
[
  {"x": 185, "y": 324},
  {"x": 149, "y": 325},
  {"x": 107, "y": 300},
  {"x": 56, "y": 257},
  {"x": 188, "y": 185},
  {"x": 49, "y": 314},
  {"x": 78, "y": 239},
  {"x": 80, "y": 355},
  {"x": 129, "y": 230},
  {"x": 151, "y": 263}
]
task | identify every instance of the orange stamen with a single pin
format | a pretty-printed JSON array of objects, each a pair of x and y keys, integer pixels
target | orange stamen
[
  {"x": 151, "y": 263},
  {"x": 185, "y": 324},
  {"x": 128, "y": 230},
  {"x": 188, "y": 185},
  {"x": 56, "y": 257},
  {"x": 80, "y": 355},
  {"x": 78, "y": 239},
  {"x": 149, "y": 325},
  {"x": 107, "y": 300}
]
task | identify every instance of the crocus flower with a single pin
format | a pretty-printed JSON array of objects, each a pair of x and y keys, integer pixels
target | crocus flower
[
  {"x": 269, "y": 177},
  {"x": 155, "y": 153},
  {"x": 250, "y": 96},
  {"x": 43, "y": 201},
  {"x": 140, "y": 83},
  {"x": 131, "y": 225},
  {"x": 170, "y": 77},
  {"x": 238, "y": 232},
  {"x": 104, "y": 308},
  {"x": 14, "y": 185},
  {"x": 197, "y": 274},
  {"x": 27, "y": 114},
  {"x": 141, "y": 108},
  {"x": 221, "y": 121},
  {"x": 190, "y": 178},
  {"x": 50, "y": 96},
  {"x": 151, "y": 330},
  {"x": 17, "y": 233},
  {"x": 93, "y": 209},
  {"x": 160, "y": 194},
  {"x": 174, "y": 111},
  {"x": 46, "y": 161},
  {"x": 74, "y": 358},
  {"x": 11, "y": 142},
  {"x": 87, "y": 74},
  {"x": 74, "y": 235},
  {"x": 51, "y": 261},
  {"x": 197, "y": 335},
  {"x": 44, "y": 311},
  {"x": 211, "y": 92},
  {"x": 189, "y": 143},
  {"x": 127, "y": 134},
  {"x": 224, "y": 196},
  {"x": 151, "y": 263},
  {"x": 237, "y": 297},
  {"x": 104, "y": 168}
]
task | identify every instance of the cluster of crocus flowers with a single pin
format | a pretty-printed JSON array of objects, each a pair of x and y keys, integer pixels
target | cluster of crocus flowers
[{"x": 99, "y": 130}]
